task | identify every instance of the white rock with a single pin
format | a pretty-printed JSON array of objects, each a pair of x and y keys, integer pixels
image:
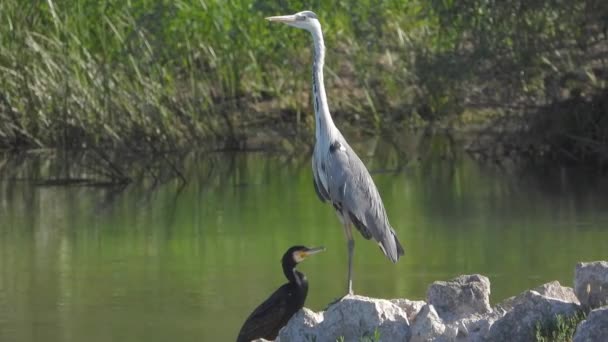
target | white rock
[
  {"x": 594, "y": 328},
  {"x": 552, "y": 290},
  {"x": 555, "y": 290},
  {"x": 300, "y": 325},
  {"x": 411, "y": 307},
  {"x": 351, "y": 318},
  {"x": 474, "y": 328},
  {"x": 460, "y": 297},
  {"x": 528, "y": 309},
  {"x": 428, "y": 326},
  {"x": 591, "y": 283}
]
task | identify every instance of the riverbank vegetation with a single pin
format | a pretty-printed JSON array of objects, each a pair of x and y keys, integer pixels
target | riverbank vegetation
[
  {"x": 560, "y": 329},
  {"x": 161, "y": 75}
]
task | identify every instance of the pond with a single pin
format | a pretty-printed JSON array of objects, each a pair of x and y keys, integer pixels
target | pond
[{"x": 166, "y": 262}]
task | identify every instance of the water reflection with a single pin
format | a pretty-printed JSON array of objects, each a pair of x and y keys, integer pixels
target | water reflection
[{"x": 158, "y": 260}]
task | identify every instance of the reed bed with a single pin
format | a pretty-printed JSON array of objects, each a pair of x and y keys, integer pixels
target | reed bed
[
  {"x": 166, "y": 75},
  {"x": 79, "y": 73}
]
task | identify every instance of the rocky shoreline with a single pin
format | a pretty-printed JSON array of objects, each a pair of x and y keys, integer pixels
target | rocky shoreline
[{"x": 459, "y": 310}]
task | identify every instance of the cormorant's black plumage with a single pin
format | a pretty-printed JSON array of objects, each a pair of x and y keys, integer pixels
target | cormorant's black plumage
[{"x": 274, "y": 313}]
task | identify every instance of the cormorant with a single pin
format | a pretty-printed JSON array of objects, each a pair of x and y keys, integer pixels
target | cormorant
[{"x": 268, "y": 318}]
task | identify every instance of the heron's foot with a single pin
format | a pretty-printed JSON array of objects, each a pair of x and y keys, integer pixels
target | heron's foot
[{"x": 349, "y": 287}]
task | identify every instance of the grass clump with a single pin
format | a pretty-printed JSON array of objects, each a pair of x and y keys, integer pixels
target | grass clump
[
  {"x": 366, "y": 337},
  {"x": 560, "y": 329}
]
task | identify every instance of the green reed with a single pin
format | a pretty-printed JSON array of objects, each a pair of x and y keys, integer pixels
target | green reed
[
  {"x": 171, "y": 74},
  {"x": 82, "y": 72}
]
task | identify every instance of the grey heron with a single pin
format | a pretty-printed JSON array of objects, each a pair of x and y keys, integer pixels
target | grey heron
[{"x": 339, "y": 176}]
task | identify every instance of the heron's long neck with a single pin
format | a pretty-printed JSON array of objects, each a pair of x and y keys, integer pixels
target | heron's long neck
[{"x": 323, "y": 121}]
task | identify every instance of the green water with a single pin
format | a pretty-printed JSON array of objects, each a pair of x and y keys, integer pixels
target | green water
[{"x": 163, "y": 263}]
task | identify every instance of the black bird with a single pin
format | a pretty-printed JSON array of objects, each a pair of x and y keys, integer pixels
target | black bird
[{"x": 268, "y": 318}]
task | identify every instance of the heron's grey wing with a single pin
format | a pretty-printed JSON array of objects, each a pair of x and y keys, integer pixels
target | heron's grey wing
[
  {"x": 319, "y": 190},
  {"x": 316, "y": 181},
  {"x": 352, "y": 188}
]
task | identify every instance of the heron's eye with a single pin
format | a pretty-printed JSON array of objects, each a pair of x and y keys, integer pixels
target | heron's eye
[{"x": 300, "y": 17}]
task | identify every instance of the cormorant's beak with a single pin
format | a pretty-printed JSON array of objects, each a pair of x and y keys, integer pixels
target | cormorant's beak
[
  {"x": 312, "y": 251},
  {"x": 287, "y": 19}
]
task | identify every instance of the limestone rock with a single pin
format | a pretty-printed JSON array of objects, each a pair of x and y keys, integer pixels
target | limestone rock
[
  {"x": 555, "y": 290},
  {"x": 428, "y": 326},
  {"x": 460, "y": 297},
  {"x": 508, "y": 304},
  {"x": 552, "y": 290},
  {"x": 591, "y": 283},
  {"x": 594, "y": 328},
  {"x": 352, "y": 318},
  {"x": 300, "y": 325},
  {"x": 519, "y": 323},
  {"x": 411, "y": 307},
  {"x": 474, "y": 328}
]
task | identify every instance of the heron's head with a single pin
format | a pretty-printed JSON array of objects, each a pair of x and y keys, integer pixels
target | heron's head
[
  {"x": 305, "y": 20},
  {"x": 297, "y": 254}
]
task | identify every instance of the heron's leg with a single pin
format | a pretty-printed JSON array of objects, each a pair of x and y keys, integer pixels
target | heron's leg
[{"x": 351, "y": 248}]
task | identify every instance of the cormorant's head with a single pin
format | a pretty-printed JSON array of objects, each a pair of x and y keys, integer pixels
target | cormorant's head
[
  {"x": 297, "y": 254},
  {"x": 305, "y": 20}
]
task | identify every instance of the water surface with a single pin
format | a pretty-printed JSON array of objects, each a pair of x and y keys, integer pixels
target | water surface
[{"x": 159, "y": 263}]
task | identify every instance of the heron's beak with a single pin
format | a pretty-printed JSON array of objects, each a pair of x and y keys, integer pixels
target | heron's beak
[
  {"x": 283, "y": 18},
  {"x": 312, "y": 251}
]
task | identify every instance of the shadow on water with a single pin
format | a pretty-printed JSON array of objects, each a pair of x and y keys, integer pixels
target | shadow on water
[{"x": 159, "y": 258}]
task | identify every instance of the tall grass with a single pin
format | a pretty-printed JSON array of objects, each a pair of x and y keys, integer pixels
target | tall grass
[
  {"x": 80, "y": 72},
  {"x": 163, "y": 75}
]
